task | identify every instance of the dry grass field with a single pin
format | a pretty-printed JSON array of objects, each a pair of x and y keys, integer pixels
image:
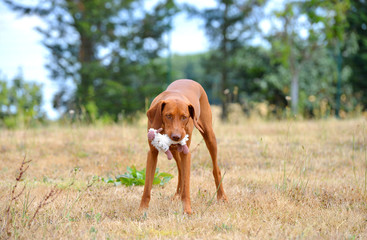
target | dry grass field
[{"x": 285, "y": 179}]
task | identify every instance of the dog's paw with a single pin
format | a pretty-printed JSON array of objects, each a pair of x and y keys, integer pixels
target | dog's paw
[
  {"x": 222, "y": 198},
  {"x": 176, "y": 196},
  {"x": 187, "y": 210}
]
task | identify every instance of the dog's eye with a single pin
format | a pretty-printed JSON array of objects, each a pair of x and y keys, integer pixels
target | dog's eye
[
  {"x": 169, "y": 117},
  {"x": 183, "y": 118}
]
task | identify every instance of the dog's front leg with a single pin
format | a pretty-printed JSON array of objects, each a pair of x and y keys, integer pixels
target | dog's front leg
[
  {"x": 185, "y": 180},
  {"x": 149, "y": 176}
]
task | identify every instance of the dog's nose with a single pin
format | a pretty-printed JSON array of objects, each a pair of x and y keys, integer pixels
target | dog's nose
[{"x": 175, "y": 137}]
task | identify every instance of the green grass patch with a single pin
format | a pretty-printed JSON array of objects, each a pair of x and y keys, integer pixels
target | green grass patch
[{"x": 134, "y": 177}]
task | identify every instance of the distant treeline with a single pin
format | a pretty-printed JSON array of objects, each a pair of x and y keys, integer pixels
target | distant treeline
[
  {"x": 311, "y": 62},
  {"x": 255, "y": 79}
]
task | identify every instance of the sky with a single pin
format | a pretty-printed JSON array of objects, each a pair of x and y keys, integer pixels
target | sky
[{"x": 21, "y": 50}]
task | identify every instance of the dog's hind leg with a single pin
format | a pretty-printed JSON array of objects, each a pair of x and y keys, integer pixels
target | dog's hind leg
[
  {"x": 205, "y": 123},
  {"x": 211, "y": 144}
]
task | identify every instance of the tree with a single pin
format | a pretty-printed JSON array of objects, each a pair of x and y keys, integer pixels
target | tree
[
  {"x": 290, "y": 48},
  {"x": 229, "y": 26},
  {"x": 357, "y": 28},
  {"x": 20, "y": 102},
  {"x": 105, "y": 49},
  {"x": 258, "y": 79},
  {"x": 333, "y": 18},
  {"x": 308, "y": 26}
]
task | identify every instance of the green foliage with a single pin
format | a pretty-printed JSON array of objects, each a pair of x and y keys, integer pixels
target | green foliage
[
  {"x": 332, "y": 15},
  {"x": 188, "y": 66},
  {"x": 357, "y": 29},
  {"x": 134, "y": 177},
  {"x": 20, "y": 103},
  {"x": 229, "y": 25},
  {"x": 192, "y": 67},
  {"x": 258, "y": 78},
  {"x": 106, "y": 49},
  {"x": 110, "y": 51}
]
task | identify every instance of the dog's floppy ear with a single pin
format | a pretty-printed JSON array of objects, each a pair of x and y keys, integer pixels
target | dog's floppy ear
[
  {"x": 194, "y": 117},
  {"x": 155, "y": 114}
]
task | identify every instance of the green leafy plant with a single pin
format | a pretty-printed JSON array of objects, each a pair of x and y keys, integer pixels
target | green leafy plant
[{"x": 134, "y": 177}]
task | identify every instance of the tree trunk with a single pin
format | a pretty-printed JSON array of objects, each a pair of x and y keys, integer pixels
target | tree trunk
[
  {"x": 294, "y": 93},
  {"x": 224, "y": 74},
  {"x": 224, "y": 95},
  {"x": 86, "y": 58}
]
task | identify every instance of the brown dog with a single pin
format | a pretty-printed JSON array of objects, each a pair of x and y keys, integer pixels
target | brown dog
[{"x": 176, "y": 110}]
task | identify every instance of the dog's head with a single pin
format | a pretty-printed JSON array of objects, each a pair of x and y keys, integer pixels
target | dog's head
[{"x": 172, "y": 115}]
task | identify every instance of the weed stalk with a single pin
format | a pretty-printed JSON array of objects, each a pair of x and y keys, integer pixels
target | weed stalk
[
  {"x": 13, "y": 196},
  {"x": 211, "y": 200}
]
